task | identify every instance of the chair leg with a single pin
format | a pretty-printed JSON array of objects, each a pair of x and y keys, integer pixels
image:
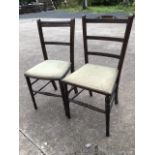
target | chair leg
[
  {"x": 31, "y": 92},
  {"x": 66, "y": 100},
  {"x": 116, "y": 96},
  {"x": 75, "y": 90},
  {"x": 64, "y": 93},
  {"x": 107, "y": 114},
  {"x": 90, "y": 93},
  {"x": 54, "y": 85}
]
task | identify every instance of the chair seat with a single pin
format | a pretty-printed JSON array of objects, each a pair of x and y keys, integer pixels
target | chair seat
[
  {"x": 49, "y": 69},
  {"x": 96, "y": 77}
]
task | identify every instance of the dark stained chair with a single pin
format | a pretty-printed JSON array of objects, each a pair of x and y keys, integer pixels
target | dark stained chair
[
  {"x": 51, "y": 70},
  {"x": 97, "y": 78}
]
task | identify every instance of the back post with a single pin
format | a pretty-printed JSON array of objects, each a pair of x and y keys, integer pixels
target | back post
[{"x": 84, "y": 38}]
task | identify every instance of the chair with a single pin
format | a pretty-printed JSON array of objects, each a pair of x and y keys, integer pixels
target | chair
[
  {"x": 97, "y": 78},
  {"x": 51, "y": 70}
]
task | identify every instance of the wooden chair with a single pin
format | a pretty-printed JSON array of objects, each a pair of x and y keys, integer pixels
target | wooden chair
[
  {"x": 97, "y": 78},
  {"x": 51, "y": 70}
]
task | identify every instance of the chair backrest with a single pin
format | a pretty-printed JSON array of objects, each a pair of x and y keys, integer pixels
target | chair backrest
[
  {"x": 67, "y": 23},
  {"x": 124, "y": 40}
]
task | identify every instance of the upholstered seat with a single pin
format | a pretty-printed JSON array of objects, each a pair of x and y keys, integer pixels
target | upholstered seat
[
  {"x": 95, "y": 77},
  {"x": 49, "y": 69}
]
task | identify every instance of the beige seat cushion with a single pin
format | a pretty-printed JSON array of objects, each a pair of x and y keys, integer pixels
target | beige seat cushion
[
  {"x": 49, "y": 69},
  {"x": 95, "y": 77}
]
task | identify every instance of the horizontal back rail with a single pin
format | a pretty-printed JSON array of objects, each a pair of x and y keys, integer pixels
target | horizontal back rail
[
  {"x": 57, "y": 43},
  {"x": 104, "y": 54},
  {"x": 107, "y": 17},
  {"x": 55, "y": 23},
  {"x": 105, "y": 38},
  {"x": 106, "y": 20}
]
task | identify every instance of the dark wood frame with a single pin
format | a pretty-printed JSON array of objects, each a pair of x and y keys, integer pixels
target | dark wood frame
[
  {"x": 41, "y": 25},
  {"x": 109, "y": 98}
]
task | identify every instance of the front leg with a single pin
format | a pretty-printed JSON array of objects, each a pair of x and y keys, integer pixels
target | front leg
[
  {"x": 64, "y": 93},
  {"x": 116, "y": 96},
  {"x": 107, "y": 114}
]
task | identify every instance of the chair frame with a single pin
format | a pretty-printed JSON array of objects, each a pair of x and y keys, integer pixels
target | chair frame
[
  {"x": 109, "y": 98},
  {"x": 41, "y": 25}
]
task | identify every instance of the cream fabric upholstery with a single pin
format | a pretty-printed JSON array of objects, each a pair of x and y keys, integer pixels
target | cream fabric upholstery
[
  {"x": 49, "y": 69},
  {"x": 92, "y": 76}
]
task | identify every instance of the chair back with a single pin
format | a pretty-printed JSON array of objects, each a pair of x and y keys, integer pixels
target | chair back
[
  {"x": 124, "y": 40},
  {"x": 67, "y": 23}
]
